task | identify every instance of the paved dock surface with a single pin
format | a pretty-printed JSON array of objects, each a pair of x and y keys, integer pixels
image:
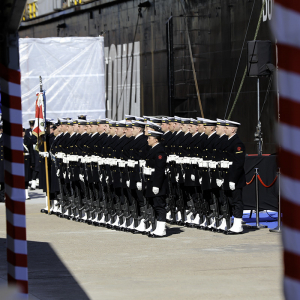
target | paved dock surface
[{"x": 70, "y": 260}]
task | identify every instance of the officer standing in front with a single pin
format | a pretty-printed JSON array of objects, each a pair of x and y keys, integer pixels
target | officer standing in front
[
  {"x": 235, "y": 179},
  {"x": 156, "y": 183}
]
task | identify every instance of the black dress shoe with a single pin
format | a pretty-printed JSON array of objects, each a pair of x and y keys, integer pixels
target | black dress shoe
[
  {"x": 213, "y": 229},
  {"x": 137, "y": 232},
  {"x": 220, "y": 230},
  {"x": 233, "y": 233}
]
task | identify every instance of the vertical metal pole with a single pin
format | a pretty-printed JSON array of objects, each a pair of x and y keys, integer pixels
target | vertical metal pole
[
  {"x": 257, "y": 197},
  {"x": 169, "y": 28},
  {"x": 278, "y": 228},
  {"x": 258, "y": 226},
  {"x": 258, "y": 104},
  {"x": 259, "y": 144}
]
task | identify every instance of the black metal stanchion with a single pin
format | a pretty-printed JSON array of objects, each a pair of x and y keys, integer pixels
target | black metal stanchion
[
  {"x": 257, "y": 226},
  {"x": 278, "y": 228}
]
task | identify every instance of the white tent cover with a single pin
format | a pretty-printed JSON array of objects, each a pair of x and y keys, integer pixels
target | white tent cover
[{"x": 72, "y": 70}]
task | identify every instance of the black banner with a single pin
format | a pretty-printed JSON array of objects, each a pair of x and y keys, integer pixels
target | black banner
[{"x": 268, "y": 197}]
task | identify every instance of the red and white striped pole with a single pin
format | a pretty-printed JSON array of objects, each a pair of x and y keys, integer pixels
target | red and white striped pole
[
  {"x": 17, "y": 271},
  {"x": 286, "y": 28}
]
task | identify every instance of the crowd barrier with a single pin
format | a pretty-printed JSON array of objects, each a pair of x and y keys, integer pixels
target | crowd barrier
[{"x": 262, "y": 190}]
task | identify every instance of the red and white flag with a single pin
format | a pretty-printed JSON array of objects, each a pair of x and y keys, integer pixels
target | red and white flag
[{"x": 39, "y": 124}]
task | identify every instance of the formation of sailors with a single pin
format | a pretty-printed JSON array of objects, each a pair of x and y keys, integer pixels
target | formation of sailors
[{"x": 139, "y": 173}]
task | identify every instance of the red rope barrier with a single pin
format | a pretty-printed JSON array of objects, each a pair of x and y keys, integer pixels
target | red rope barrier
[
  {"x": 267, "y": 186},
  {"x": 250, "y": 180}
]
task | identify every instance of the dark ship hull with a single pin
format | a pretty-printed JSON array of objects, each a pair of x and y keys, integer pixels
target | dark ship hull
[{"x": 216, "y": 29}]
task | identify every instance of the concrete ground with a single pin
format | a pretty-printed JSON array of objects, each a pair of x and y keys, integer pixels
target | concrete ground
[{"x": 69, "y": 260}]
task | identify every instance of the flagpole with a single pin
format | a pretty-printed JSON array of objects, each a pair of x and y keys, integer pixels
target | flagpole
[{"x": 45, "y": 149}]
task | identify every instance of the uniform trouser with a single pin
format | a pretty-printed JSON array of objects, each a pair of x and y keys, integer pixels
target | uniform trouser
[
  {"x": 120, "y": 194},
  {"x": 159, "y": 205},
  {"x": 138, "y": 196},
  {"x": 35, "y": 175},
  {"x": 2, "y": 192},
  {"x": 236, "y": 202}
]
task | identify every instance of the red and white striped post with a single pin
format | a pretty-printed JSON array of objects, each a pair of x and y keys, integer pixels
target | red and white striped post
[
  {"x": 286, "y": 28},
  {"x": 17, "y": 271}
]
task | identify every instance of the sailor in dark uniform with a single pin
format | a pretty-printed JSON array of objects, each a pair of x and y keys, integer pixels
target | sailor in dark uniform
[
  {"x": 34, "y": 155},
  {"x": 208, "y": 146},
  {"x": 156, "y": 181},
  {"x": 26, "y": 146},
  {"x": 165, "y": 127},
  {"x": 2, "y": 191},
  {"x": 235, "y": 179}
]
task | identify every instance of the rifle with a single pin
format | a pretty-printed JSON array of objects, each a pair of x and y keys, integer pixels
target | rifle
[
  {"x": 180, "y": 202},
  {"x": 171, "y": 201},
  {"x": 148, "y": 214},
  {"x": 198, "y": 205},
  {"x": 60, "y": 197},
  {"x": 103, "y": 204},
  {"x": 225, "y": 208},
  {"x": 77, "y": 195},
  {"x": 71, "y": 198},
  {"x": 133, "y": 208},
  {"x": 89, "y": 201},
  {"x": 113, "y": 207},
  {"x": 204, "y": 206},
  {"x": 96, "y": 196},
  {"x": 85, "y": 192}
]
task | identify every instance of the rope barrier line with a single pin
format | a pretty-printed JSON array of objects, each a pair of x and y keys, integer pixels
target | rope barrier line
[
  {"x": 259, "y": 178},
  {"x": 245, "y": 72},
  {"x": 248, "y": 183},
  {"x": 267, "y": 186}
]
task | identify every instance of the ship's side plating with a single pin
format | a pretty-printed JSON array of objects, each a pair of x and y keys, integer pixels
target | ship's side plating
[{"x": 137, "y": 61}]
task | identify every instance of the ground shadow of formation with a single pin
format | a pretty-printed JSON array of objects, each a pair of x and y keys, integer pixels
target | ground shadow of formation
[
  {"x": 48, "y": 277},
  {"x": 173, "y": 230}
]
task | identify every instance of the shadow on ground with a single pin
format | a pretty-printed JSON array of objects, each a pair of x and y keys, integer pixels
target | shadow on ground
[{"x": 48, "y": 277}]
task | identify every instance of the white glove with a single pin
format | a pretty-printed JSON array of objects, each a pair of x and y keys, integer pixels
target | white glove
[
  {"x": 183, "y": 176},
  {"x": 128, "y": 183},
  {"x": 46, "y": 154},
  {"x": 69, "y": 175},
  {"x": 177, "y": 177},
  {"x": 219, "y": 182},
  {"x": 200, "y": 180},
  {"x": 81, "y": 177},
  {"x": 139, "y": 186},
  {"x": 64, "y": 175},
  {"x": 155, "y": 190},
  {"x": 58, "y": 172},
  {"x": 101, "y": 176},
  {"x": 107, "y": 180},
  {"x": 142, "y": 163},
  {"x": 167, "y": 171},
  {"x": 232, "y": 185},
  {"x": 193, "y": 177}
]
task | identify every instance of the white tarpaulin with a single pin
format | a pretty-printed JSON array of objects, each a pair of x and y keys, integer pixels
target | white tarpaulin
[{"x": 72, "y": 69}]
